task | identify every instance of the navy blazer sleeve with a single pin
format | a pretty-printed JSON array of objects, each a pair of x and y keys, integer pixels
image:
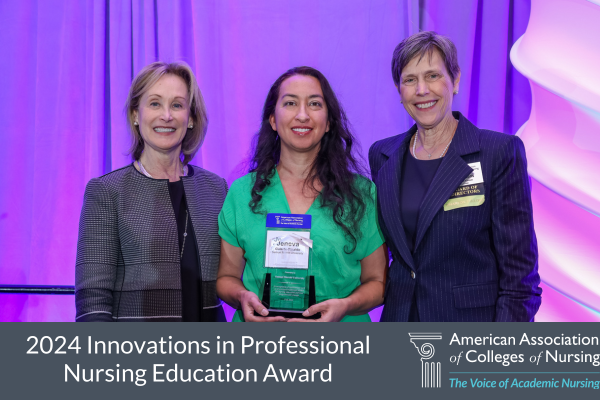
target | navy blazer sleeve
[{"x": 514, "y": 236}]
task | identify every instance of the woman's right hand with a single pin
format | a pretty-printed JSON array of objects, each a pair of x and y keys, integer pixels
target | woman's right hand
[
  {"x": 249, "y": 303},
  {"x": 231, "y": 289}
]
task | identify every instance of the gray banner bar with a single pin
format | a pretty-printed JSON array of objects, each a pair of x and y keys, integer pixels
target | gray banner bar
[{"x": 300, "y": 361}]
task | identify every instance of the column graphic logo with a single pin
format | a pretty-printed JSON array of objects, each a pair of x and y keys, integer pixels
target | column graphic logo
[{"x": 431, "y": 372}]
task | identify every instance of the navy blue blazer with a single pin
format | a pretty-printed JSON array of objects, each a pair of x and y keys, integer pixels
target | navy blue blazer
[{"x": 474, "y": 263}]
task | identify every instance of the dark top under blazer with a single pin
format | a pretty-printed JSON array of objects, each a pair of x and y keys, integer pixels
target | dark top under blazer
[
  {"x": 471, "y": 263},
  {"x": 128, "y": 262}
]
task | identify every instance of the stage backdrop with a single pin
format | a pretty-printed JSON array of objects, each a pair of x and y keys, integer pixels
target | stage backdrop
[{"x": 67, "y": 66}]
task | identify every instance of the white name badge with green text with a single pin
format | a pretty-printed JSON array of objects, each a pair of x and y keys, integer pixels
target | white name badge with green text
[{"x": 287, "y": 249}]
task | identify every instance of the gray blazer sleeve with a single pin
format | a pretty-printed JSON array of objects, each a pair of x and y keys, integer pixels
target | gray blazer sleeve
[{"x": 97, "y": 255}]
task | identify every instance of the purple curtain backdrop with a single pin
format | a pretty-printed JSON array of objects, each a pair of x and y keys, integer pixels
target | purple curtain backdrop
[{"x": 67, "y": 67}]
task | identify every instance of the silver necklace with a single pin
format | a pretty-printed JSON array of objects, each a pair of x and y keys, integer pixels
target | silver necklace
[
  {"x": 429, "y": 158},
  {"x": 187, "y": 216},
  {"x": 187, "y": 213},
  {"x": 184, "y": 170}
]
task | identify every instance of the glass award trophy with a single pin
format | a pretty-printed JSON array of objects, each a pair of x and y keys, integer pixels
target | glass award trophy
[{"x": 288, "y": 288}]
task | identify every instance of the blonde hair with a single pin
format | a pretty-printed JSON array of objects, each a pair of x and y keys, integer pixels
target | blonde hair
[{"x": 147, "y": 77}]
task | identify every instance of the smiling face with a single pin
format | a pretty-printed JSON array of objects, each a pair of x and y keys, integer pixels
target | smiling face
[
  {"x": 163, "y": 114},
  {"x": 426, "y": 90},
  {"x": 300, "y": 116}
]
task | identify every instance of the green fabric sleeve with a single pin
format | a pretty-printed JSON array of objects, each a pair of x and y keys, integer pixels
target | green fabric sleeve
[
  {"x": 228, "y": 228},
  {"x": 372, "y": 237}
]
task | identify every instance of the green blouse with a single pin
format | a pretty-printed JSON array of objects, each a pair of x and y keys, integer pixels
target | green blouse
[{"x": 336, "y": 273}]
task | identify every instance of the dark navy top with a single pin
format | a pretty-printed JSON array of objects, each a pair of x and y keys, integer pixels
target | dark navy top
[
  {"x": 191, "y": 273},
  {"x": 191, "y": 280},
  {"x": 415, "y": 180}
]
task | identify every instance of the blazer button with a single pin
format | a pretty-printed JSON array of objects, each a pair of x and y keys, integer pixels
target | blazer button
[{"x": 412, "y": 274}]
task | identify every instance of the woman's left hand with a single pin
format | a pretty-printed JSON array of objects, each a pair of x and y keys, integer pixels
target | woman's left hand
[
  {"x": 366, "y": 296},
  {"x": 331, "y": 311}
]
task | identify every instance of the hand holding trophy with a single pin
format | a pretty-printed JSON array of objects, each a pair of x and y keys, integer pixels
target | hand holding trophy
[
  {"x": 299, "y": 233},
  {"x": 288, "y": 288}
]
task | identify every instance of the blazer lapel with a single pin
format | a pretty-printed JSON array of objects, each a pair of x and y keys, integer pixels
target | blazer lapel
[
  {"x": 388, "y": 186},
  {"x": 451, "y": 173},
  {"x": 194, "y": 196}
]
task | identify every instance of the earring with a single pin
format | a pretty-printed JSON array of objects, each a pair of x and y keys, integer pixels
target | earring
[
  {"x": 190, "y": 126},
  {"x": 456, "y": 92},
  {"x": 135, "y": 123}
]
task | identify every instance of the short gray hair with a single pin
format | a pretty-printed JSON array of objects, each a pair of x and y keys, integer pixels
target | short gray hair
[
  {"x": 147, "y": 77},
  {"x": 418, "y": 45}
]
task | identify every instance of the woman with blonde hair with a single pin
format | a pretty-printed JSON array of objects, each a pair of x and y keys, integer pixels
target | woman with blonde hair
[{"x": 148, "y": 247}]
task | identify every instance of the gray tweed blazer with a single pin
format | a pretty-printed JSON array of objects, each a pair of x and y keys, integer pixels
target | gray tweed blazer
[{"x": 128, "y": 266}]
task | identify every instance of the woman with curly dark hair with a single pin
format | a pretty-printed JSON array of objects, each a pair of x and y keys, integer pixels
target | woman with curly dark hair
[{"x": 304, "y": 163}]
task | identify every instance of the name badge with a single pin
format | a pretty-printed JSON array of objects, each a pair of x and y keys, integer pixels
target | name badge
[
  {"x": 470, "y": 193},
  {"x": 288, "y": 241}
]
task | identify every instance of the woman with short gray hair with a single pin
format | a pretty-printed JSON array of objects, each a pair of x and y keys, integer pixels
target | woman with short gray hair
[
  {"x": 454, "y": 202},
  {"x": 148, "y": 246}
]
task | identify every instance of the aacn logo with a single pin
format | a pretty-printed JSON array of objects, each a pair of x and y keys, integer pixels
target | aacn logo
[
  {"x": 431, "y": 372},
  {"x": 277, "y": 220}
]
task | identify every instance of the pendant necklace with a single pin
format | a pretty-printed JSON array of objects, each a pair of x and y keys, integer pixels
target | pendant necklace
[
  {"x": 184, "y": 169},
  {"x": 429, "y": 158}
]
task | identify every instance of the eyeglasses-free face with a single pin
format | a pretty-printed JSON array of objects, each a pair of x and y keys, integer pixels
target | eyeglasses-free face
[
  {"x": 164, "y": 114},
  {"x": 426, "y": 90},
  {"x": 300, "y": 116}
]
